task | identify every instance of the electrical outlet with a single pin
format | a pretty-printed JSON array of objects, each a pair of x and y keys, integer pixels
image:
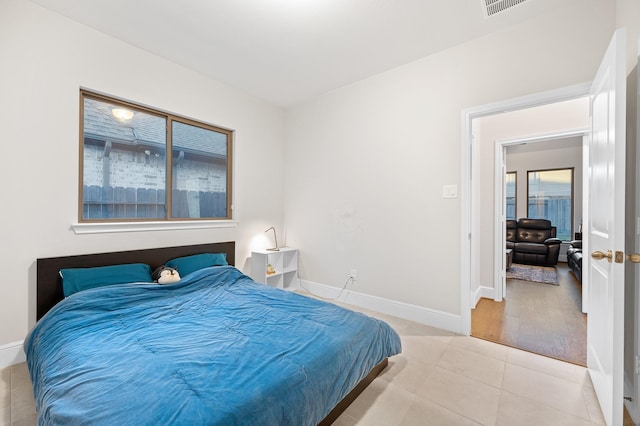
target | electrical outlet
[{"x": 353, "y": 274}]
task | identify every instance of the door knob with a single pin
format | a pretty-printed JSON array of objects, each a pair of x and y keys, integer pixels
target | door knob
[
  {"x": 598, "y": 255},
  {"x": 633, "y": 257}
]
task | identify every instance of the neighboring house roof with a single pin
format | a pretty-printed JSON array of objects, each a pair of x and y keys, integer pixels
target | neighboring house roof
[{"x": 145, "y": 129}]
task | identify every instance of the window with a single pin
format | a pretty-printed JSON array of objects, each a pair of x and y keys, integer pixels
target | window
[
  {"x": 139, "y": 164},
  {"x": 510, "y": 193},
  {"x": 550, "y": 196}
]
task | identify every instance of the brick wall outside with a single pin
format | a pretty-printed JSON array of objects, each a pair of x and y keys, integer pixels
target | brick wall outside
[{"x": 138, "y": 170}]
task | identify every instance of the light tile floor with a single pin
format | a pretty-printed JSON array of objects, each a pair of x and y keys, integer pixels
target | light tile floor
[
  {"x": 445, "y": 379},
  {"x": 439, "y": 379},
  {"x": 17, "y": 406}
]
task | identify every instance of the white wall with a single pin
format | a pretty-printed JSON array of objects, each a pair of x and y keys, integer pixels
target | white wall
[
  {"x": 365, "y": 164},
  {"x": 45, "y": 60}
]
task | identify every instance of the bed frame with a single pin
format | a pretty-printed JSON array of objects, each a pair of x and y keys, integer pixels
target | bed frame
[{"x": 49, "y": 289}]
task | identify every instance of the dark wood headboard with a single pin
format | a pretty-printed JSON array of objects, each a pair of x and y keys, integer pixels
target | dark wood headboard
[{"x": 49, "y": 283}]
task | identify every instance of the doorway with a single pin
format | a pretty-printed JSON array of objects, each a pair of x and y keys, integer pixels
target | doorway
[
  {"x": 519, "y": 157},
  {"x": 537, "y": 308},
  {"x": 478, "y": 208},
  {"x": 527, "y": 312}
]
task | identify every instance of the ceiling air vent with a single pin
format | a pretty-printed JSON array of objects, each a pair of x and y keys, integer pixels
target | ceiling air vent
[{"x": 493, "y": 7}]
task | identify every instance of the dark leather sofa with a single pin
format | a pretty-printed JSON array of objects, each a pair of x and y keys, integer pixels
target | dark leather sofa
[
  {"x": 533, "y": 241},
  {"x": 574, "y": 258}
]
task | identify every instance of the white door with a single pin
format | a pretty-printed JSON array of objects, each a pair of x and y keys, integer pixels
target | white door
[{"x": 605, "y": 335}]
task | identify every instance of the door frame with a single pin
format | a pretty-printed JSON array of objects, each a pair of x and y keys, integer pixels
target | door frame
[
  {"x": 499, "y": 275},
  {"x": 632, "y": 384},
  {"x": 470, "y": 181}
]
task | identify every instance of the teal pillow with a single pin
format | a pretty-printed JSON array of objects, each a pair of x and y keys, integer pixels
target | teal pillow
[
  {"x": 78, "y": 279},
  {"x": 188, "y": 264}
]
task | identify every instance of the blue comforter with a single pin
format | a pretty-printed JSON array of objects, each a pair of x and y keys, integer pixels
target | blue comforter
[{"x": 214, "y": 348}]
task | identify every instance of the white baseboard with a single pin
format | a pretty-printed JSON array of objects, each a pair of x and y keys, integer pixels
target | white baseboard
[
  {"x": 11, "y": 353},
  {"x": 431, "y": 317},
  {"x": 486, "y": 292}
]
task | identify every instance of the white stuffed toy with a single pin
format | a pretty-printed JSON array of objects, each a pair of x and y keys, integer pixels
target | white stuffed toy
[{"x": 165, "y": 275}]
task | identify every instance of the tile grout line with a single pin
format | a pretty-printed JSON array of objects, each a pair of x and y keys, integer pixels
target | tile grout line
[{"x": 502, "y": 389}]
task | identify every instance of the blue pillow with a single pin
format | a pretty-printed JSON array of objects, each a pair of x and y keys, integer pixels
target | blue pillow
[
  {"x": 77, "y": 279},
  {"x": 188, "y": 264}
]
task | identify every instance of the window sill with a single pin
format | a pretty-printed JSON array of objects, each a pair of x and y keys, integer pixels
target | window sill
[{"x": 114, "y": 227}]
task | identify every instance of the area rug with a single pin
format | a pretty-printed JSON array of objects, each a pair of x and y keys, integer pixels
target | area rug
[{"x": 537, "y": 274}]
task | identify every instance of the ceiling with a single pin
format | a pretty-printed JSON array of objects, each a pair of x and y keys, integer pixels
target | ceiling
[
  {"x": 287, "y": 51},
  {"x": 547, "y": 145}
]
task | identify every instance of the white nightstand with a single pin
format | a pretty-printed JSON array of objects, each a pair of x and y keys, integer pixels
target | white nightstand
[{"x": 284, "y": 265}]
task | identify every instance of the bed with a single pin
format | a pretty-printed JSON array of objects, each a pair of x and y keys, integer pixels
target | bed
[{"x": 214, "y": 348}]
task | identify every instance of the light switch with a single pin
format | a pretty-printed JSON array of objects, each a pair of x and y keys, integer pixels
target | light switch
[{"x": 450, "y": 191}]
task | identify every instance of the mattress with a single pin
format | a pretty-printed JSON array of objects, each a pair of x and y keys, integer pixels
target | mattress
[{"x": 215, "y": 348}]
